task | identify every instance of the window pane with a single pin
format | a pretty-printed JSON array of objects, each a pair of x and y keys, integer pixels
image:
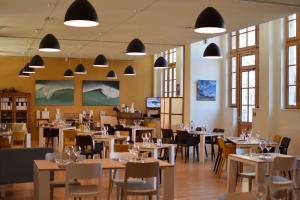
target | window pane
[
  {"x": 252, "y": 79},
  {"x": 251, "y": 38},
  {"x": 243, "y": 30},
  {"x": 244, "y": 96},
  {"x": 292, "y": 75},
  {"x": 251, "y": 28},
  {"x": 233, "y": 96},
  {"x": 170, "y": 86},
  {"x": 233, "y": 64},
  {"x": 166, "y": 86},
  {"x": 174, "y": 73},
  {"x": 170, "y": 73},
  {"x": 233, "y": 33},
  {"x": 248, "y": 60},
  {"x": 250, "y": 113},
  {"x": 292, "y": 95},
  {"x": 166, "y": 74},
  {"x": 292, "y": 55},
  {"x": 233, "y": 42},
  {"x": 292, "y": 17},
  {"x": 244, "y": 79},
  {"x": 292, "y": 28},
  {"x": 251, "y": 96},
  {"x": 244, "y": 113},
  {"x": 243, "y": 41},
  {"x": 233, "y": 80}
]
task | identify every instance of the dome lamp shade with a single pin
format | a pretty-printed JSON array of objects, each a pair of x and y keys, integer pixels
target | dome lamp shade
[
  {"x": 49, "y": 44},
  {"x": 28, "y": 70},
  {"x": 81, "y": 13},
  {"x": 111, "y": 75},
  {"x": 129, "y": 71},
  {"x": 37, "y": 62},
  {"x": 68, "y": 73},
  {"x": 80, "y": 69},
  {"x": 136, "y": 48},
  {"x": 212, "y": 51},
  {"x": 100, "y": 61},
  {"x": 161, "y": 63},
  {"x": 209, "y": 21},
  {"x": 22, "y": 74}
]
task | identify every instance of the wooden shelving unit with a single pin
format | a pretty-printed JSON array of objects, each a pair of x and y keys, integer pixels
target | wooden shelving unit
[{"x": 15, "y": 107}]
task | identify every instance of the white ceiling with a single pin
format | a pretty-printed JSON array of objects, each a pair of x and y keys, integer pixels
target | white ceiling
[{"x": 160, "y": 24}]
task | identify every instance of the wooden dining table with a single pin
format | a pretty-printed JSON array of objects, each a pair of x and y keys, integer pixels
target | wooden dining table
[
  {"x": 261, "y": 164},
  {"x": 140, "y": 128},
  {"x": 250, "y": 143},
  {"x": 43, "y": 168}
]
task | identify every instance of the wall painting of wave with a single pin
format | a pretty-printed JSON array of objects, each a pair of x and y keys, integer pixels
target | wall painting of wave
[
  {"x": 100, "y": 93},
  {"x": 54, "y": 92}
]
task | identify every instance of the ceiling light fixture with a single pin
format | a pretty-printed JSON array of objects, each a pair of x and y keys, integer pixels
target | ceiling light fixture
[
  {"x": 22, "y": 74},
  {"x": 161, "y": 63},
  {"x": 28, "y": 70},
  {"x": 81, "y": 13},
  {"x": 80, "y": 69},
  {"x": 212, "y": 51},
  {"x": 69, "y": 74},
  {"x": 37, "y": 62},
  {"x": 136, "y": 48},
  {"x": 49, "y": 44},
  {"x": 129, "y": 71},
  {"x": 100, "y": 61},
  {"x": 209, "y": 21},
  {"x": 111, "y": 75}
]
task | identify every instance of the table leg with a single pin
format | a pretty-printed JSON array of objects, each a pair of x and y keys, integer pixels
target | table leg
[
  {"x": 111, "y": 146},
  {"x": 172, "y": 154},
  {"x": 168, "y": 183},
  {"x": 155, "y": 153},
  {"x": 61, "y": 140},
  {"x": 41, "y": 184},
  {"x": 133, "y": 134},
  {"x": 232, "y": 168},
  {"x": 202, "y": 148},
  {"x": 41, "y": 137}
]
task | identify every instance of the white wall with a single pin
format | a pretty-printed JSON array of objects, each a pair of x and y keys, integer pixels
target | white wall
[{"x": 206, "y": 112}]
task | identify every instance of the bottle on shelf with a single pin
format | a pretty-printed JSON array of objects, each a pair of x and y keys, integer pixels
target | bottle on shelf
[{"x": 192, "y": 125}]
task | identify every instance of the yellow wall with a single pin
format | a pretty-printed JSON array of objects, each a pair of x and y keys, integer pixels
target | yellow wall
[{"x": 133, "y": 89}]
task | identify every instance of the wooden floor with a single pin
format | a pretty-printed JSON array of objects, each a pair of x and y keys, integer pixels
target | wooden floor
[{"x": 193, "y": 181}]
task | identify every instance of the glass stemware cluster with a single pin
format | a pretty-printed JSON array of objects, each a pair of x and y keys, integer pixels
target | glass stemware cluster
[
  {"x": 122, "y": 122},
  {"x": 73, "y": 150},
  {"x": 265, "y": 145},
  {"x": 134, "y": 150},
  {"x": 146, "y": 138},
  {"x": 105, "y": 130},
  {"x": 3, "y": 126}
]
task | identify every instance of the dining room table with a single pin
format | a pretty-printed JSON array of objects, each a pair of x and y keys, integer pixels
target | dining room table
[
  {"x": 43, "y": 169},
  {"x": 136, "y": 128},
  {"x": 203, "y": 135},
  {"x": 60, "y": 128},
  {"x": 261, "y": 162}
]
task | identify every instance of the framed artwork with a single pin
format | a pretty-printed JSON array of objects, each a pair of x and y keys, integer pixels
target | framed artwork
[
  {"x": 100, "y": 93},
  {"x": 206, "y": 90},
  {"x": 54, "y": 92}
]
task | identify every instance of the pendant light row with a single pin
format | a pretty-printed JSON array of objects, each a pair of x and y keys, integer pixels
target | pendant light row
[{"x": 81, "y": 13}]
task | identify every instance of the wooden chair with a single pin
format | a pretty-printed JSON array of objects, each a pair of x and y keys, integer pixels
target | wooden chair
[
  {"x": 18, "y": 138},
  {"x": 70, "y": 137},
  {"x": 184, "y": 140},
  {"x": 4, "y": 142},
  {"x": 121, "y": 147},
  {"x": 83, "y": 171},
  {"x": 226, "y": 148}
]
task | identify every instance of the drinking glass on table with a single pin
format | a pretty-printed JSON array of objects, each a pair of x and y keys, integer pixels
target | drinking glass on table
[
  {"x": 144, "y": 138},
  {"x": 77, "y": 152},
  {"x": 262, "y": 145},
  {"x": 268, "y": 146},
  {"x": 68, "y": 151}
]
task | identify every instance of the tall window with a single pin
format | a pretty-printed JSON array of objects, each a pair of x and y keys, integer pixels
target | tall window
[
  {"x": 169, "y": 88},
  {"x": 243, "y": 80},
  {"x": 292, "y": 88}
]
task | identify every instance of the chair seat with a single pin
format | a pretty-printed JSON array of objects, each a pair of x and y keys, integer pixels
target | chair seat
[
  {"x": 140, "y": 187},
  {"x": 62, "y": 183},
  {"x": 280, "y": 180},
  {"x": 83, "y": 190},
  {"x": 120, "y": 181},
  {"x": 247, "y": 174}
]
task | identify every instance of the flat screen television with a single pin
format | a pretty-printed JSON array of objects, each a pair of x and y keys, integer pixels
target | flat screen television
[{"x": 153, "y": 102}]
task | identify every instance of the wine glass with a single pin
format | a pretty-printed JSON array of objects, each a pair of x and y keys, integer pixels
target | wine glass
[
  {"x": 77, "y": 152},
  {"x": 268, "y": 146},
  {"x": 68, "y": 151},
  {"x": 144, "y": 137},
  {"x": 262, "y": 145},
  {"x": 3, "y": 126}
]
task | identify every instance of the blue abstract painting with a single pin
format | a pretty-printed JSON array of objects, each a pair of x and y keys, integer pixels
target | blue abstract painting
[
  {"x": 100, "y": 93},
  {"x": 54, "y": 92},
  {"x": 206, "y": 90}
]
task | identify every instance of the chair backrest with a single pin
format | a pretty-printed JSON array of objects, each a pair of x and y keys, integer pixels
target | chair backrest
[
  {"x": 121, "y": 147},
  {"x": 221, "y": 143},
  {"x": 84, "y": 141},
  {"x": 83, "y": 171},
  {"x": 168, "y": 134},
  {"x": 152, "y": 125},
  {"x": 284, "y": 145},
  {"x": 284, "y": 163},
  {"x": 277, "y": 138},
  {"x": 218, "y": 130},
  {"x": 18, "y": 137},
  {"x": 47, "y": 132},
  {"x": 4, "y": 142},
  {"x": 19, "y": 127},
  {"x": 181, "y": 137},
  {"x": 124, "y": 133},
  {"x": 141, "y": 170},
  {"x": 119, "y": 127},
  {"x": 70, "y": 135}
]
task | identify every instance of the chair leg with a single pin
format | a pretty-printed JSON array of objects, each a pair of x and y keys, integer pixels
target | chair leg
[
  {"x": 181, "y": 152},
  {"x": 250, "y": 184},
  {"x": 176, "y": 153},
  {"x": 205, "y": 150},
  {"x": 197, "y": 151},
  {"x": 212, "y": 151},
  {"x": 217, "y": 162},
  {"x": 150, "y": 197}
]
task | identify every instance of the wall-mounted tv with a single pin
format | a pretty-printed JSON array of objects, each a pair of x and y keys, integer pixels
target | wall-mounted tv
[{"x": 153, "y": 102}]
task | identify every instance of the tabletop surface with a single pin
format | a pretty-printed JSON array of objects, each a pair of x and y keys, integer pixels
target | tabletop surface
[
  {"x": 258, "y": 157},
  {"x": 241, "y": 141},
  {"x": 153, "y": 145},
  {"x": 47, "y": 165},
  {"x": 206, "y": 133}
]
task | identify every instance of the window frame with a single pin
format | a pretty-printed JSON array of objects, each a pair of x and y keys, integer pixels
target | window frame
[{"x": 170, "y": 56}]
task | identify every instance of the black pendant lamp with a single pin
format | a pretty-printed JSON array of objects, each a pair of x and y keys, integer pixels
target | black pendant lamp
[
  {"x": 81, "y": 13},
  {"x": 68, "y": 73},
  {"x": 37, "y": 62},
  {"x": 28, "y": 70},
  {"x": 111, "y": 75},
  {"x": 80, "y": 69},
  {"x": 100, "y": 61},
  {"x": 129, "y": 71},
  {"x": 212, "y": 51},
  {"x": 49, "y": 44},
  {"x": 136, "y": 48},
  {"x": 161, "y": 63},
  {"x": 22, "y": 74},
  {"x": 209, "y": 21}
]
